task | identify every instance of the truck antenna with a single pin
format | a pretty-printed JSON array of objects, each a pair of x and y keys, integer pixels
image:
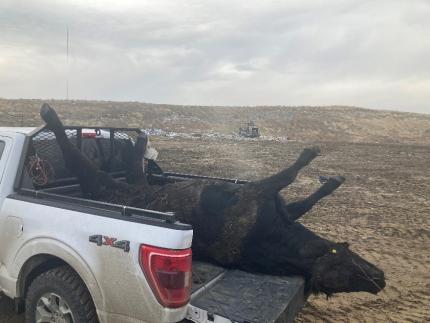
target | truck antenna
[{"x": 67, "y": 62}]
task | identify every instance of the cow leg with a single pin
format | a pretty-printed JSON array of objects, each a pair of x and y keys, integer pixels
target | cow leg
[
  {"x": 127, "y": 150},
  {"x": 295, "y": 210},
  {"x": 284, "y": 178},
  {"x": 92, "y": 180},
  {"x": 135, "y": 171}
]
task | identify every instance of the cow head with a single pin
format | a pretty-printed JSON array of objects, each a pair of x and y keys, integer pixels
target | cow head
[{"x": 341, "y": 270}]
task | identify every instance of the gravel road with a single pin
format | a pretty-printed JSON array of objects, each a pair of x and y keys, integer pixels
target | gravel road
[{"x": 7, "y": 315}]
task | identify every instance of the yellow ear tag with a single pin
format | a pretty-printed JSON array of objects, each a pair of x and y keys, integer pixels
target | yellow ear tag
[{"x": 333, "y": 251}]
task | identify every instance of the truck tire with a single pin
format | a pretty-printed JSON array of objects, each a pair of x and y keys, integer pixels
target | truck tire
[{"x": 59, "y": 295}]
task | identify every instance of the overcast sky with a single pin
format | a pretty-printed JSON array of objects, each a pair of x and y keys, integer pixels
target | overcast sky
[{"x": 373, "y": 54}]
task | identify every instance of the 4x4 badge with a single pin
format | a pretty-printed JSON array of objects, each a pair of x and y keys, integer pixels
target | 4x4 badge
[{"x": 100, "y": 240}]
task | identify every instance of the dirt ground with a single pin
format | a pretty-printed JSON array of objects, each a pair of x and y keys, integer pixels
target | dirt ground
[
  {"x": 7, "y": 314},
  {"x": 382, "y": 210}
]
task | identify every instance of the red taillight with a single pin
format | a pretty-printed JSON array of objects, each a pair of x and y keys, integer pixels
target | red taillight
[{"x": 168, "y": 273}]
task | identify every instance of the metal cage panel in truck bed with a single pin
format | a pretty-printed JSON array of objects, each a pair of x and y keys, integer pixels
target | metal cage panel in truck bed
[{"x": 43, "y": 161}]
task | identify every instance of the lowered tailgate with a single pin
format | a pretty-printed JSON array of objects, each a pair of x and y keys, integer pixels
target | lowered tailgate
[{"x": 221, "y": 295}]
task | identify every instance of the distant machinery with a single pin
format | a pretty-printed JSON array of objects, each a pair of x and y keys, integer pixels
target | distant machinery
[{"x": 250, "y": 130}]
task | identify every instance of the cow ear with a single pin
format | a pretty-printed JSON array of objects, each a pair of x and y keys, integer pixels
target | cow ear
[{"x": 344, "y": 244}]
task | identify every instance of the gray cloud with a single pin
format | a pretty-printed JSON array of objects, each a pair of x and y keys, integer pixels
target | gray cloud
[{"x": 364, "y": 53}]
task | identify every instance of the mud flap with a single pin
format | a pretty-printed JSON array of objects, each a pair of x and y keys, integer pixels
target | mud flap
[{"x": 225, "y": 296}]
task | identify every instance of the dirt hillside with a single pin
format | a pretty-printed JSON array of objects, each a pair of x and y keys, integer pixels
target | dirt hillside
[{"x": 334, "y": 123}]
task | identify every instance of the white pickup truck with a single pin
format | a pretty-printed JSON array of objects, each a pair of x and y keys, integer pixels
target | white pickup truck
[{"x": 67, "y": 258}]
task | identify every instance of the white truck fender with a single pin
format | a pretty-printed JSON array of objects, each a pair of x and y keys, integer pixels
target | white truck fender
[{"x": 56, "y": 248}]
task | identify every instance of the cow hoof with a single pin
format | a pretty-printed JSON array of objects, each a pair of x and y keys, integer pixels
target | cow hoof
[
  {"x": 308, "y": 154},
  {"x": 49, "y": 115},
  {"x": 142, "y": 138},
  {"x": 332, "y": 184},
  {"x": 339, "y": 179}
]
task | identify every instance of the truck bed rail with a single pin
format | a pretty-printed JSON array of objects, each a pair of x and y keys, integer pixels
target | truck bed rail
[{"x": 123, "y": 210}]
